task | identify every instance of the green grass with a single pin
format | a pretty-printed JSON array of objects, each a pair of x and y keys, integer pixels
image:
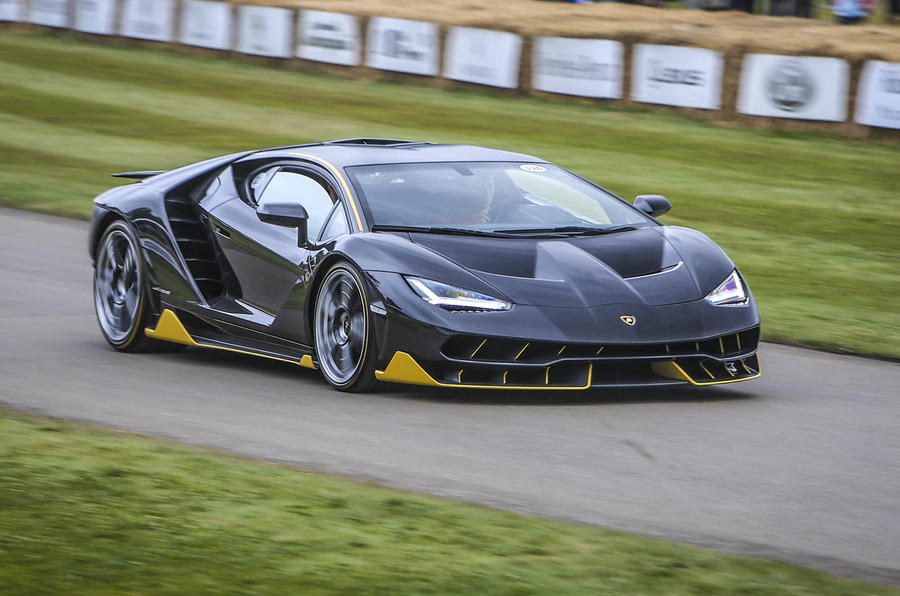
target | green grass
[
  {"x": 813, "y": 221},
  {"x": 89, "y": 511}
]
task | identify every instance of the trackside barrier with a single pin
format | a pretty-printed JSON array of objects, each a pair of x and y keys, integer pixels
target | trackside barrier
[
  {"x": 330, "y": 37},
  {"x": 265, "y": 31},
  {"x": 97, "y": 17},
  {"x": 878, "y": 99},
  {"x": 677, "y": 76},
  {"x": 800, "y": 88},
  {"x": 584, "y": 67},
  {"x": 153, "y": 20},
  {"x": 483, "y": 57},
  {"x": 206, "y": 24},
  {"x": 10, "y": 10},
  {"x": 49, "y": 13},
  {"x": 403, "y": 46}
]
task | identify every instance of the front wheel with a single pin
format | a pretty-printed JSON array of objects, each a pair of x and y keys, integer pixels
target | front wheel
[
  {"x": 120, "y": 295},
  {"x": 344, "y": 343}
]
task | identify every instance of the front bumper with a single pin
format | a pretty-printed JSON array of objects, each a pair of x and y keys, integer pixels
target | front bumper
[
  {"x": 501, "y": 363},
  {"x": 540, "y": 347}
]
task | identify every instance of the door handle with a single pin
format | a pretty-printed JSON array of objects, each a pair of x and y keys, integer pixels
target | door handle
[{"x": 222, "y": 232}]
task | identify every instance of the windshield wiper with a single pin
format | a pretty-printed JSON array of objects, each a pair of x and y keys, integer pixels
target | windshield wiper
[
  {"x": 435, "y": 230},
  {"x": 571, "y": 230}
]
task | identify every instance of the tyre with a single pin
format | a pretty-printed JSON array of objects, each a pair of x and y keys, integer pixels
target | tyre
[
  {"x": 120, "y": 292},
  {"x": 344, "y": 341}
]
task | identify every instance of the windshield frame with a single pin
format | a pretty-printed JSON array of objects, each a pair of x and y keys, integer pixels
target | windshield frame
[{"x": 360, "y": 191}]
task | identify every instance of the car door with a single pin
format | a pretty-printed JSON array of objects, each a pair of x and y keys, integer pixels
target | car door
[{"x": 267, "y": 259}]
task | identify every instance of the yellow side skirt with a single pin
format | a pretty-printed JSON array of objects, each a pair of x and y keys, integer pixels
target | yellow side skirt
[{"x": 169, "y": 328}]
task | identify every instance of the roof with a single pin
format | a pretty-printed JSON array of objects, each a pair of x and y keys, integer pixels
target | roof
[{"x": 355, "y": 152}]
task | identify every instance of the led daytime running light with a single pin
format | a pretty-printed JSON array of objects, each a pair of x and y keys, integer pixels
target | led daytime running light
[
  {"x": 730, "y": 292},
  {"x": 454, "y": 298}
]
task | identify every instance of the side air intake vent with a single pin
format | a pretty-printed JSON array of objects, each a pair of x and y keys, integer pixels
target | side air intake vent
[{"x": 194, "y": 242}]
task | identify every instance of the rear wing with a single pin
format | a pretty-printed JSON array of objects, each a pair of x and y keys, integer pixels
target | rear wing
[{"x": 138, "y": 175}]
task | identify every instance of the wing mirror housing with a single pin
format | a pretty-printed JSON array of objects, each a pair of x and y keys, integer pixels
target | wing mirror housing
[
  {"x": 652, "y": 205},
  {"x": 288, "y": 215}
]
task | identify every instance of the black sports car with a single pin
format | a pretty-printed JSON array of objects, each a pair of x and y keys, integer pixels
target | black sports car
[{"x": 452, "y": 266}]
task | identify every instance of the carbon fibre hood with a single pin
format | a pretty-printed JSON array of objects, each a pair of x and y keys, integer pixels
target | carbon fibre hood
[{"x": 649, "y": 266}]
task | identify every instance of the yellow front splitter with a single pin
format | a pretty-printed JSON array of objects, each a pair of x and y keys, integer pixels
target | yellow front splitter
[{"x": 403, "y": 368}]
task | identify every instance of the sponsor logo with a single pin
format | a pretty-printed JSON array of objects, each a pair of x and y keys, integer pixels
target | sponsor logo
[
  {"x": 198, "y": 16},
  {"x": 581, "y": 67},
  {"x": 886, "y": 113},
  {"x": 145, "y": 20},
  {"x": 400, "y": 45},
  {"x": 53, "y": 6},
  {"x": 258, "y": 33},
  {"x": 628, "y": 319},
  {"x": 258, "y": 24},
  {"x": 890, "y": 81},
  {"x": 532, "y": 168},
  {"x": 483, "y": 72},
  {"x": 790, "y": 86},
  {"x": 328, "y": 36},
  {"x": 674, "y": 76}
]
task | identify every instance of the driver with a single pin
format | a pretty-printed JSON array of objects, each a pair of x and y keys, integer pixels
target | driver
[{"x": 477, "y": 210}]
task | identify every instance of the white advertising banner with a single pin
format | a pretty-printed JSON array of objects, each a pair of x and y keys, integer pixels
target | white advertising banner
[
  {"x": 483, "y": 56},
  {"x": 9, "y": 10},
  {"x": 878, "y": 101},
  {"x": 206, "y": 24},
  {"x": 50, "y": 13},
  {"x": 586, "y": 67},
  {"x": 403, "y": 46},
  {"x": 148, "y": 19},
  {"x": 266, "y": 31},
  {"x": 677, "y": 76},
  {"x": 329, "y": 37},
  {"x": 794, "y": 87},
  {"x": 95, "y": 16}
]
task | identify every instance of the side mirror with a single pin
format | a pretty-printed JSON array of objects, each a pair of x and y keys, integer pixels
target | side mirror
[
  {"x": 288, "y": 215},
  {"x": 652, "y": 205}
]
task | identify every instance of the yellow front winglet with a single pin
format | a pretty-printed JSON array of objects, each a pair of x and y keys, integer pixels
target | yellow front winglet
[
  {"x": 670, "y": 369},
  {"x": 169, "y": 328},
  {"x": 307, "y": 362},
  {"x": 404, "y": 369}
]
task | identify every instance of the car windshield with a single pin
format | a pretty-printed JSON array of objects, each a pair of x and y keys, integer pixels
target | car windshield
[{"x": 504, "y": 198}]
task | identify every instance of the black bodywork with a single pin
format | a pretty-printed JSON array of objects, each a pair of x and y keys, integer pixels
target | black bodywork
[{"x": 235, "y": 282}]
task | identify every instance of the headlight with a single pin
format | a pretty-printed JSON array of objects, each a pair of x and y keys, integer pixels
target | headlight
[
  {"x": 730, "y": 292},
  {"x": 453, "y": 298}
]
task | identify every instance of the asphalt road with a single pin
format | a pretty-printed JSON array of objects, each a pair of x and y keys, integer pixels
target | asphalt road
[{"x": 801, "y": 465}]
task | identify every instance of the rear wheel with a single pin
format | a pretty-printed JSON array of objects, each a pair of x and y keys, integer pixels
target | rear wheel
[
  {"x": 120, "y": 295},
  {"x": 343, "y": 335}
]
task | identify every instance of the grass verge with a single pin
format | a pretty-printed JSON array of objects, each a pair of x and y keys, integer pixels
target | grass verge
[
  {"x": 813, "y": 221},
  {"x": 84, "y": 510}
]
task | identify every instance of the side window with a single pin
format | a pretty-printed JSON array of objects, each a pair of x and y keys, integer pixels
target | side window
[
  {"x": 336, "y": 226},
  {"x": 286, "y": 186},
  {"x": 259, "y": 181}
]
